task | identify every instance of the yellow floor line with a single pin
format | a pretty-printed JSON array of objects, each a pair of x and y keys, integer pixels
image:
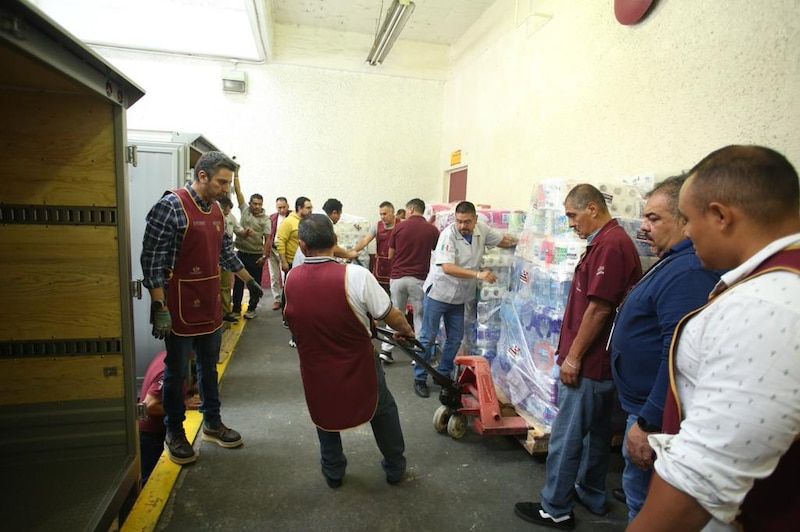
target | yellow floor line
[{"x": 151, "y": 501}]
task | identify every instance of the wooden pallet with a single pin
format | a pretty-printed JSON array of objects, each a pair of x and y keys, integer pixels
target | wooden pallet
[{"x": 536, "y": 440}]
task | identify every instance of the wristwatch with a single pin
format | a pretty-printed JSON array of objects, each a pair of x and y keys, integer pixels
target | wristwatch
[
  {"x": 646, "y": 426},
  {"x": 158, "y": 304}
]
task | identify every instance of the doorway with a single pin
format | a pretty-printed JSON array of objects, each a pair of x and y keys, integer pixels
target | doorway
[{"x": 458, "y": 185}]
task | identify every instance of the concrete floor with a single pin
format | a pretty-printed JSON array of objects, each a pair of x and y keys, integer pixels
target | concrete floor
[{"x": 273, "y": 482}]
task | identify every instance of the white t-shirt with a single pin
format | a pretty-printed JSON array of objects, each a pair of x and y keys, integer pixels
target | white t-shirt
[{"x": 364, "y": 293}]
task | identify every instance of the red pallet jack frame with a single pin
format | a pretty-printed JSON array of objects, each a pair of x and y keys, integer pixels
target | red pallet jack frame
[{"x": 471, "y": 396}]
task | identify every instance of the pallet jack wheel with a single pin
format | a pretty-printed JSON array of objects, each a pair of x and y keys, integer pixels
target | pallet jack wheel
[
  {"x": 457, "y": 426},
  {"x": 440, "y": 419}
]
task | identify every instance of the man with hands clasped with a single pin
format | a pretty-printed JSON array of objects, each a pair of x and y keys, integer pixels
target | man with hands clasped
[{"x": 676, "y": 285}]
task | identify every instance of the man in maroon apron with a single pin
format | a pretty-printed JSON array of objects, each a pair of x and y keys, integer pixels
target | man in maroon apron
[
  {"x": 185, "y": 244},
  {"x": 381, "y": 265},
  {"x": 330, "y": 308},
  {"x": 731, "y": 456}
]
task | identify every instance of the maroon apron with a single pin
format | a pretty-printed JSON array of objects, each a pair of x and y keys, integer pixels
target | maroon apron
[
  {"x": 773, "y": 503},
  {"x": 193, "y": 296},
  {"x": 337, "y": 359},
  {"x": 383, "y": 266}
]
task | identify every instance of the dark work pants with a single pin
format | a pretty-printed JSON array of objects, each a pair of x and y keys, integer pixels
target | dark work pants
[
  {"x": 386, "y": 429},
  {"x": 249, "y": 260}
]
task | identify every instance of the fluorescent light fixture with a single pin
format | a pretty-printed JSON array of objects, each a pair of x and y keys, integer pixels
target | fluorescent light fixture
[
  {"x": 234, "y": 81},
  {"x": 396, "y": 18}
]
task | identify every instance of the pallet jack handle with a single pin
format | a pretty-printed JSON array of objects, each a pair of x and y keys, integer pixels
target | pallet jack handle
[{"x": 414, "y": 349}]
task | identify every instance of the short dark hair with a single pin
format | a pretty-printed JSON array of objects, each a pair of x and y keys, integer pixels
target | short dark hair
[
  {"x": 417, "y": 204},
  {"x": 210, "y": 163},
  {"x": 225, "y": 202},
  {"x": 466, "y": 207},
  {"x": 256, "y": 196},
  {"x": 386, "y": 204},
  {"x": 670, "y": 187},
  {"x": 758, "y": 180},
  {"x": 281, "y": 198},
  {"x": 332, "y": 204},
  {"x": 581, "y": 195},
  {"x": 316, "y": 230},
  {"x": 299, "y": 202}
]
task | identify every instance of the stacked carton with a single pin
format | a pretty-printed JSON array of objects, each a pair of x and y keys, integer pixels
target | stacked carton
[{"x": 531, "y": 312}]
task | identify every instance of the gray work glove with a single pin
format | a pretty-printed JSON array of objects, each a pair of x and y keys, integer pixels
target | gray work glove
[
  {"x": 255, "y": 289},
  {"x": 162, "y": 323}
]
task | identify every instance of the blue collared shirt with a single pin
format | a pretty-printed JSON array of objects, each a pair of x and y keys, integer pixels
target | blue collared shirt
[
  {"x": 163, "y": 237},
  {"x": 674, "y": 286}
]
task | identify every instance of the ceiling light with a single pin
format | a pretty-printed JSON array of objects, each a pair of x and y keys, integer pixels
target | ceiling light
[{"x": 396, "y": 18}]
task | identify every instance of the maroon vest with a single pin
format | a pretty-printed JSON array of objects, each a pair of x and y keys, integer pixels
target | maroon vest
[
  {"x": 773, "y": 503},
  {"x": 383, "y": 266},
  {"x": 337, "y": 359},
  {"x": 193, "y": 295}
]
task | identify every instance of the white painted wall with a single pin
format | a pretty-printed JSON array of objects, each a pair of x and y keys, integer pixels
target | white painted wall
[
  {"x": 581, "y": 97},
  {"x": 360, "y": 137},
  {"x": 586, "y": 98}
]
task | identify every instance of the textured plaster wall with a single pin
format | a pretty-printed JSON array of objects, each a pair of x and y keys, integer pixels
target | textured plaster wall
[
  {"x": 362, "y": 138},
  {"x": 586, "y": 98}
]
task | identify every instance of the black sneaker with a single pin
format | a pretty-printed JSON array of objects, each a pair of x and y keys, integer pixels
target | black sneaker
[
  {"x": 387, "y": 357},
  {"x": 178, "y": 449},
  {"x": 230, "y": 318},
  {"x": 619, "y": 494},
  {"x": 222, "y": 435},
  {"x": 533, "y": 512},
  {"x": 421, "y": 389}
]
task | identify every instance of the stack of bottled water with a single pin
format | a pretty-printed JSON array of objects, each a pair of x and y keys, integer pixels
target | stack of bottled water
[{"x": 482, "y": 324}]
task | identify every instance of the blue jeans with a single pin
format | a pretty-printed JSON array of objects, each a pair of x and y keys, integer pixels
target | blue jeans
[
  {"x": 386, "y": 430},
  {"x": 635, "y": 481},
  {"x": 580, "y": 443},
  {"x": 453, "y": 315},
  {"x": 206, "y": 349}
]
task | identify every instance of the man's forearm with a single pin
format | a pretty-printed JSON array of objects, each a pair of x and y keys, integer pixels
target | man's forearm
[
  {"x": 458, "y": 271},
  {"x": 398, "y": 322},
  {"x": 668, "y": 508}
]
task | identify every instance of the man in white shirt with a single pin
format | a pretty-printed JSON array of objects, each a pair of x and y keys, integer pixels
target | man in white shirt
[
  {"x": 451, "y": 282},
  {"x": 734, "y": 403}
]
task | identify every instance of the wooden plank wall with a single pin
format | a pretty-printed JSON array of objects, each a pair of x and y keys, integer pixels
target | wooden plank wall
[{"x": 59, "y": 281}]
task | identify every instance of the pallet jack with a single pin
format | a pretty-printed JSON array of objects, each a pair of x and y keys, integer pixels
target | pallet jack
[{"x": 470, "y": 396}]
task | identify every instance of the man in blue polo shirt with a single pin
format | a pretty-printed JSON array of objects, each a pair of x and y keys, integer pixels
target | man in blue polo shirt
[{"x": 675, "y": 286}]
